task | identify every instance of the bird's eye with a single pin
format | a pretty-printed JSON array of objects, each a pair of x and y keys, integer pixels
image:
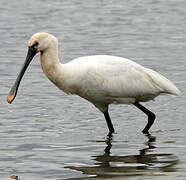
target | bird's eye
[{"x": 35, "y": 44}]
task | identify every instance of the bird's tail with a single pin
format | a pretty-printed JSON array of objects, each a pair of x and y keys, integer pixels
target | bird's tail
[{"x": 163, "y": 83}]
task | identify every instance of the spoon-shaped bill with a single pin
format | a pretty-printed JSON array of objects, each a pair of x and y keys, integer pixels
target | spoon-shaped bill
[{"x": 12, "y": 94}]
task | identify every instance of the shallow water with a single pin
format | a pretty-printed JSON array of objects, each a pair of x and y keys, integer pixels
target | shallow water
[{"x": 46, "y": 134}]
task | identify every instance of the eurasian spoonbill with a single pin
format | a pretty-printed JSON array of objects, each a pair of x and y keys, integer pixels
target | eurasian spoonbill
[{"x": 100, "y": 79}]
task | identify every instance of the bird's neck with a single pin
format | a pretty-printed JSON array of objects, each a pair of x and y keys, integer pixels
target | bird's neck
[
  {"x": 54, "y": 70},
  {"x": 50, "y": 62}
]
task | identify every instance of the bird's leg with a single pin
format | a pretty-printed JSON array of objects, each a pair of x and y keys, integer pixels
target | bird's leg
[
  {"x": 151, "y": 117},
  {"x": 109, "y": 123}
]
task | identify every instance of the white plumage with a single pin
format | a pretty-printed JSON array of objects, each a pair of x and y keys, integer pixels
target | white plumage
[
  {"x": 104, "y": 80},
  {"x": 100, "y": 79}
]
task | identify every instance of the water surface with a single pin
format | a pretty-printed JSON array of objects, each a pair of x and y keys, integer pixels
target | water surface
[{"x": 46, "y": 134}]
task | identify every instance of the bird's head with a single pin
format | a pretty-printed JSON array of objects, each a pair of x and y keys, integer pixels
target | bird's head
[{"x": 39, "y": 42}]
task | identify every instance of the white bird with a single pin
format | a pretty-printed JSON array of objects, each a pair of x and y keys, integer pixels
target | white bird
[{"x": 100, "y": 79}]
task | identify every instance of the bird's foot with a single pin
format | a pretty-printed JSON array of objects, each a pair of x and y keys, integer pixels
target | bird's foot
[
  {"x": 146, "y": 132},
  {"x": 110, "y": 134},
  {"x": 149, "y": 136}
]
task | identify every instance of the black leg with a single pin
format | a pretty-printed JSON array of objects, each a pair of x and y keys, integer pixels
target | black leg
[
  {"x": 151, "y": 117},
  {"x": 109, "y": 123}
]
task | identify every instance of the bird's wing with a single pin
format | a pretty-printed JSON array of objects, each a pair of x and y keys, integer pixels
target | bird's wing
[
  {"x": 109, "y": 76},
  {"x": 123, "y": 80}
]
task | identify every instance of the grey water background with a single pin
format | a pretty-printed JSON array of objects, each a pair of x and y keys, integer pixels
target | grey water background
[{"x": 46, "y": 134}]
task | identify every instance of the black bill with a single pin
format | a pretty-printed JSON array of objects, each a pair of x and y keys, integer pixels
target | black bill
[{"x": 12, "y": 94}]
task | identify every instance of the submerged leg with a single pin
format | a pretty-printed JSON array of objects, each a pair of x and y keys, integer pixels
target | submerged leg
[
  {"x": 109, "y": 123},
  {"x": 151, "y": 117}
]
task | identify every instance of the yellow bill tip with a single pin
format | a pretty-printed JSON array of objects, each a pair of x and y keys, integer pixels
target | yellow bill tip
[{"x": 10, "y": 98}]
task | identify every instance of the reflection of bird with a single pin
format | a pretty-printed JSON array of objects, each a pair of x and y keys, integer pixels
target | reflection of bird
[
  {"x": 121, "y": 166},
  {"x": 149, "y": 143},
  {"x": 100, "y": 79}
]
